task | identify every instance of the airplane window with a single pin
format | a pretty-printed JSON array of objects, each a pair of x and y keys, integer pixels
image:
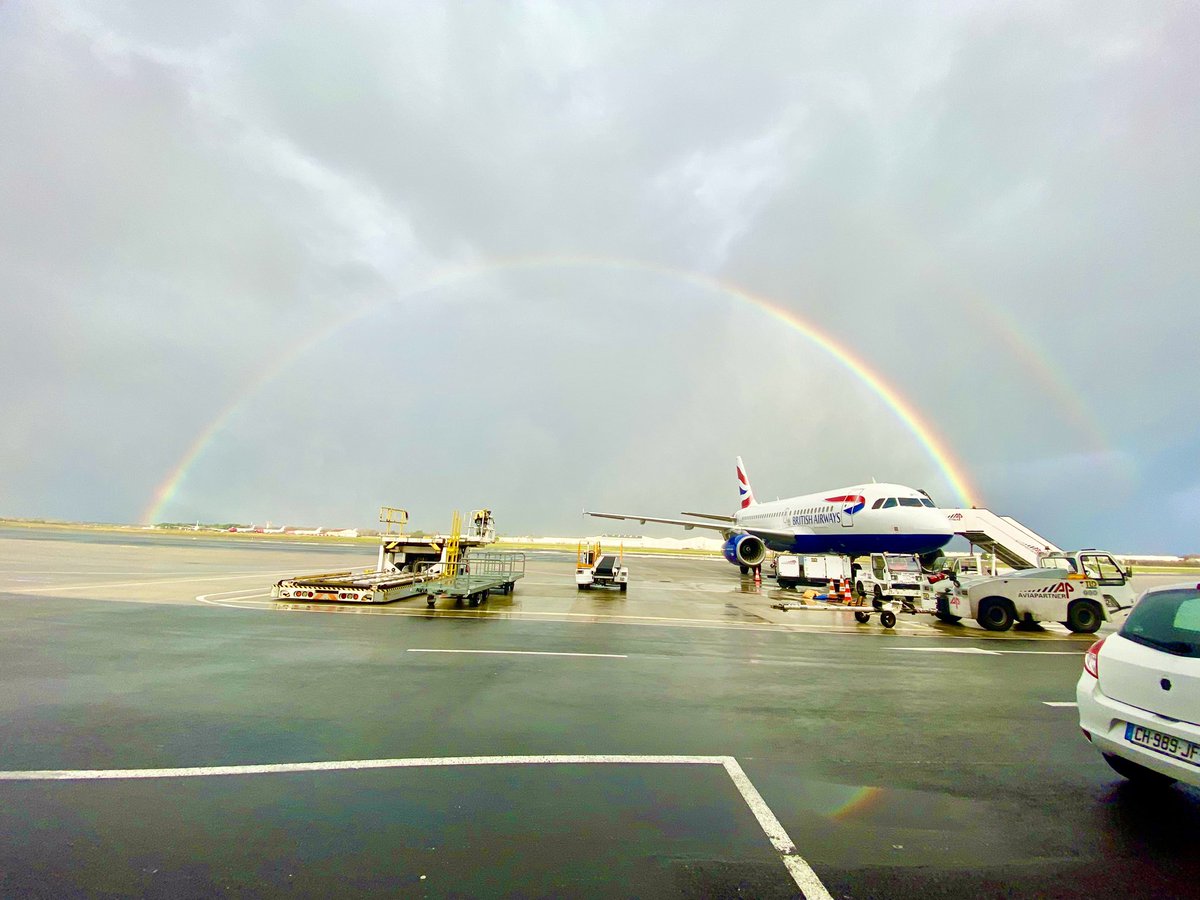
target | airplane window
[
  {"x": 909, "y": 501},
  {"x": 889, "y": 503},
  {"x": 925, "y": 501},
  {"x": 878, "y": 503}
]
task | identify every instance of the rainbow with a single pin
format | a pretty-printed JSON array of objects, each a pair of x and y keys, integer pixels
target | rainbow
[
  {"x": 925, "y": 434},
  {"x": 862, "y": 800}
]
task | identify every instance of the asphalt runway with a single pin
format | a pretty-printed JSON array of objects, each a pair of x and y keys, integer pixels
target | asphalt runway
[{"x": 167, "y": 731}]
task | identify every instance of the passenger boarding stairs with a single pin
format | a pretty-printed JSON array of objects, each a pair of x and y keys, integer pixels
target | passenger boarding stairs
[{"x": 1011, "y": 542}]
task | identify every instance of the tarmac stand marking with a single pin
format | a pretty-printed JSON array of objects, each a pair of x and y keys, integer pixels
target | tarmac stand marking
[
  {"x": 522, "y": 652},
  {"x": 803, "y": 875}
]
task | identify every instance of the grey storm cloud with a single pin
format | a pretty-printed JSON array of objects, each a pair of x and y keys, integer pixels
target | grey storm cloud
[{"x": 296, "y": 261}]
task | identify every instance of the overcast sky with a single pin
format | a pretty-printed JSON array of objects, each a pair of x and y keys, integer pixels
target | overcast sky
[{"x": 442, "y": 256}]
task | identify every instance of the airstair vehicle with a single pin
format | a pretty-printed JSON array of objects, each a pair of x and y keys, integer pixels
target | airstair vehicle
[{"x": 1008, "y": 540}]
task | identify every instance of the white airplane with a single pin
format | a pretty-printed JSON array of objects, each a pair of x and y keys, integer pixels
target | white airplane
[{"x": 850, "y": 521}]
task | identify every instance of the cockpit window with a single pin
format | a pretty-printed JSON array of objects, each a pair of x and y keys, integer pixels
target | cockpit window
[
  {"x": 925, "y": 501},
  {"x": 878, "y": 503},
  {"x": 909, "y": 501},
  {"x": 889, "y": 503}
]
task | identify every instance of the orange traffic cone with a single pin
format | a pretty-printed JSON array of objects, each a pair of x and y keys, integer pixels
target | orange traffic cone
[
  {"x": 831, "y": 591},
  {"x": 846, "y": 598}
]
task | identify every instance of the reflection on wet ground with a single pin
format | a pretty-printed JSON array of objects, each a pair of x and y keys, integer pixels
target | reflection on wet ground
[{"x": 896, "y": 774}]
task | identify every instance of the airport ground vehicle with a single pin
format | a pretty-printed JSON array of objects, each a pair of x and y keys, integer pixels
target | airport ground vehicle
[
  {"x": 792, "y": 570},
  {"x": 1139, "y": 693},
  {"x": 892, "y": 576},
  {"x": 410, "y": 565},
  {"x": 1080, "y": 589},
  {"x": 595, "y": 567}
]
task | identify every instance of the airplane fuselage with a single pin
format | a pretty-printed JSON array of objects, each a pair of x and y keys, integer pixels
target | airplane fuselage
[{"x": 852, "y": 521}]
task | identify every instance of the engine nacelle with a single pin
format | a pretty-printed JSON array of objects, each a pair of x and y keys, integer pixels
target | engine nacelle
[{"x": 745, "y": 550}]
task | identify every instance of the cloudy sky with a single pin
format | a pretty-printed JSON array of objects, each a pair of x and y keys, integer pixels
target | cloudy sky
[{"x": 293, "y": 261}]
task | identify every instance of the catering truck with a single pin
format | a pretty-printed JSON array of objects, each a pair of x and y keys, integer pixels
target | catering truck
[{"x": 1081, "y": 589}]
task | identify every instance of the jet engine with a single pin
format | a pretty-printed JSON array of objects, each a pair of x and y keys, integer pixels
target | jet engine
[{"x": 744, "y": 550}]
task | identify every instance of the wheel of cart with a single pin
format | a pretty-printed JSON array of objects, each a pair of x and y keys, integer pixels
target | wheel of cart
[
  {"x": 863, "y": 617},
  {"x": 887, "y": 618},
  {"x": 430, "y": 600}
]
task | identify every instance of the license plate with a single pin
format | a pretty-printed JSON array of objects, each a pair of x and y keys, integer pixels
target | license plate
[{"x": 1166, "y": 744}]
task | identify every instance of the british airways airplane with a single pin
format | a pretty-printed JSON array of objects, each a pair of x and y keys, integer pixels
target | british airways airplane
[{"x": 850, "y": 521}]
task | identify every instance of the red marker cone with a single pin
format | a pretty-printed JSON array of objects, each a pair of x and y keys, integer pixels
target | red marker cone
[
  {"x": 846, "y": 598},
  {"x": 831, "y": 591}
]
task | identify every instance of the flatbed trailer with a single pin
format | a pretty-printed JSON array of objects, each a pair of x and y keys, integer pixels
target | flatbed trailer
[
  {"x": 476, "y": 577},
  {"x": 887, "y": 609},
  {"x": 348, "y": 587}
]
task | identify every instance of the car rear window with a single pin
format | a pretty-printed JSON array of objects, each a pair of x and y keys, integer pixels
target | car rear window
[{"x": 1166, "y": 620}]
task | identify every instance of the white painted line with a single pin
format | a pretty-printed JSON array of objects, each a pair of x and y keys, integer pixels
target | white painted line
[
  {"x": 980, "y": 650},
  {"x": 520, "y": 652},
  {"x": 228, "y": 595},
  {"x": 1059, "y": 703},
  {"x": 343, "y": 765},
  {"x": 806, "y": 879},
  {"x": 191, "y": 579},
  {"x": 976, "y": 651}
]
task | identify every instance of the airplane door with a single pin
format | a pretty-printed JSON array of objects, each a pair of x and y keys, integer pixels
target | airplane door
[{"x": 847, "y": 519}]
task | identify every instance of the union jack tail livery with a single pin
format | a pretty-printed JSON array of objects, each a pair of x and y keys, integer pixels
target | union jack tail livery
[{"x": 745, "y": 492}]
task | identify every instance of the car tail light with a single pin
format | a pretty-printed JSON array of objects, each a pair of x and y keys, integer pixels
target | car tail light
[{"x": 1091, "y": 659}]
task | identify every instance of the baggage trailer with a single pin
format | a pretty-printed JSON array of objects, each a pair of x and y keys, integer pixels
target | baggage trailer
[
  {"x": 862, "y": 614},
  {"x": 887, "y": 609},
  {"x": 473, "y": 579}
]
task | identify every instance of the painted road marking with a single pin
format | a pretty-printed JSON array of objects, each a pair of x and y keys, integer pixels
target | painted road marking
[
  {"x": 112, "y": 584},
  {"x": 980, "y": 650},
  {"x": 251, "y": 602},
  {"x": 1060, "y": 703},
  {"x": 972, "y": 650},
  {"x": 520, "y": 652},
  {"x": 256, "y": 599},
  {"x": 806, "y": 879}
]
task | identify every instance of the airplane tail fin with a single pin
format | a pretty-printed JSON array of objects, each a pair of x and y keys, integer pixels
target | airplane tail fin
[{"x": 745, "y": 492}]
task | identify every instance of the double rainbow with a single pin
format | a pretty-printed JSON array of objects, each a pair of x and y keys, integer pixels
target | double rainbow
[{"x": 925, "y": 434}]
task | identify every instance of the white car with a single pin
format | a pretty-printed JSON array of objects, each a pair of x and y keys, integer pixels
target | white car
[{"x": 1139, "y": 694}]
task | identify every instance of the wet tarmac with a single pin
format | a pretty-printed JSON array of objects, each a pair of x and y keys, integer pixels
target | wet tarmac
[{"x": 903, "y": 763}]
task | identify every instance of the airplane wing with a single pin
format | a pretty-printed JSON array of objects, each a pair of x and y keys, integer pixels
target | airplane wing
[
  {"x": 768, "y": 532},
  {"x": 726, "y": 528},
  {"x": 683, "y": 523},
  {"x": 715, "y": 518}
]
